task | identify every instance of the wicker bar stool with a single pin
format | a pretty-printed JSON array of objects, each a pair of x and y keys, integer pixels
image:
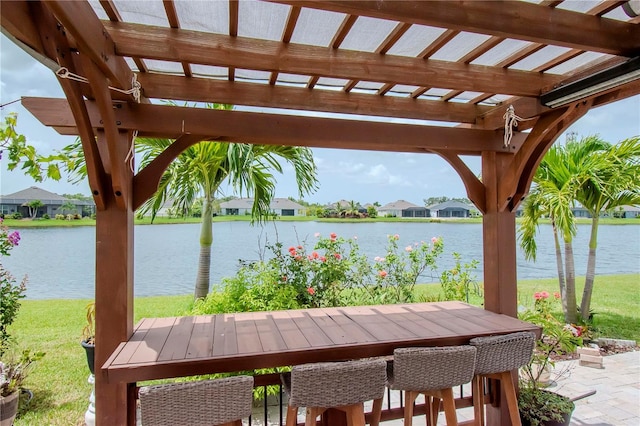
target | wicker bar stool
[
  {"x": 432, "y": 372},
  {"x": 340, "y": 385},
  {"x": 220, "y": 402},
  {"x": 497, "y": 357}
]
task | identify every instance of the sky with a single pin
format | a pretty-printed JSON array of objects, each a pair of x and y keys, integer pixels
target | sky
[{"x": 363, "y": 176}]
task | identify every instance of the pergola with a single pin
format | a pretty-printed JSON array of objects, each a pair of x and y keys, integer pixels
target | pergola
[{"x": 462, "y": 62}]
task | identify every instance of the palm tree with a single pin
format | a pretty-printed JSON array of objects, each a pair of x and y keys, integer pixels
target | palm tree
[
  {"x": 613, "y": 182},
  {"x": 563, "y": 170},
  {"x": 202, "y": 168},
  {"x": 353, "y": 211}
]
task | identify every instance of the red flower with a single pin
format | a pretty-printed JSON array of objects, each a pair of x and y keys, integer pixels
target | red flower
[
  {"x": 544, "y": 294},
  {"x": 333, "y": 236},
  {"x": 382, "y": 273},
  {"x": 337, "y": 256},
  {"x": 299, "y": 247},
  {"x": 293, "y": 253},
  {"x": 323, "y": 259},
  {"x": 311, "y": 291},
  {"x": 556, "y": 295},
  {"x": 292, "y": 249},
  {"x": 314, "y": 254},
  {"x": 537, "y": 296}
]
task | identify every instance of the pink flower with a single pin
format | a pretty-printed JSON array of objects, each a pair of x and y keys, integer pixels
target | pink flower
[
  {"x": 408, "y": 248},
  {"x": 434, "y": 240},
  {"x": 314, "y": 254},
  {"x": 537, "y": 296},
  {"x": 311, "y": 291},
  {"x": 298, "y": 257},
  {"x": 323, "y": 259},
  {"x": 355, "y": 237},
  {"x": 317, "y": 234},
  {"x": 337, "y": 256},
  {"x": 396, "y": 237},
  {"x": 332, "y": 236},
  {"x": 299, "y": 247},
  {"x": 293, "y": 252},
  {"x": 14, "y": 238},
  {"x": 292, "y": 249},
  {"x": 544, "y": 294},
  {"x": 556, "y": 295},
  {"x": 377, "y": 258},
  {"x": 310, "y": 257},
  {"x": 382, "y": 273}
]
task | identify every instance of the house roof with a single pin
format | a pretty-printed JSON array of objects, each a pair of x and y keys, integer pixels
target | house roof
[
  {"x": 36, "y": 193},
  {"x": 247, "y": 203},
  {"x": 397, "y": 205},
  {"x": 451, "y": 204}
]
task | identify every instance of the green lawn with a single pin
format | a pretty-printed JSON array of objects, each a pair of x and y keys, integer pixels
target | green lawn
[{"x": 60, "y": 384}]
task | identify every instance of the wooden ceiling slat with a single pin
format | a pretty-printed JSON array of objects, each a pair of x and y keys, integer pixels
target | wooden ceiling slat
[
  {"x": 520, "y": 55},
  {"x": 480, "y": 98},
  {"x": 163, "y": 86},
  {"x": 174, "y": 22},
  {"x": 220, "y": 50},
  {"x": 419, "y": 91},
  {"x": 17, "y": 21},
  {"x": 605, "y": 7},
  {"x": 342, "y": 32},
  {"x": 481, "y": 50},
  {"x": 384, "y": 89},
  {"x": 233, "y": 17},
  {"x": 111, "y": 10},
  {"x": 518, "y": 20},
  {"x": 438, "y": 43},
  {"x": 287, "y": 33},
  {"x": 452, "y": 94},
  {"x": 393, "y": 38},
  {"x": 261, "y": 128},
  {"x": 350, "y": 85},
  {"x": 558, "y": 60},
  {"x": 550, "y": 3}
]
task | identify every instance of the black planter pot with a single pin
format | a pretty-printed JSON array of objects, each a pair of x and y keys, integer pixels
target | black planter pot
[{"x": 90, "y": 350}]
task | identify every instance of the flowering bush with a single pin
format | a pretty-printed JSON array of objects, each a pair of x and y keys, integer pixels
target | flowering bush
[
  {"x": 10, "y": 291},
  {"x": 537, "y": 405},
  {"x": 459, "y": 282}
]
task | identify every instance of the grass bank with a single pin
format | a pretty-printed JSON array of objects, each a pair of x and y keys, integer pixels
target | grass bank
[{"x": 60, "y": 384}]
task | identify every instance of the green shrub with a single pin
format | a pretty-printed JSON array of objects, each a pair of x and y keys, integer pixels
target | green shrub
[
  {"x": 46, "y": 216},
  {"x": 16, "y": 215}
]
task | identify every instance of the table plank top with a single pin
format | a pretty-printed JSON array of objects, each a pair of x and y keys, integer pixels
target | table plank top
[{"x": 185, "y": 346}]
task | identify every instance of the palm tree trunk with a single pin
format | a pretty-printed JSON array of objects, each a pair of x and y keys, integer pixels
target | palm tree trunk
[
  {"x": 561, "y": 281},
  {"x": 204, "y": 261},
  {"x": 585, "y": 305},
  {"x": 571, "y": 314}
]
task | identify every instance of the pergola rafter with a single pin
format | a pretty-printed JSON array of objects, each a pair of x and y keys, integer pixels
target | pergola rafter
[{"x": 443, "y": 61}]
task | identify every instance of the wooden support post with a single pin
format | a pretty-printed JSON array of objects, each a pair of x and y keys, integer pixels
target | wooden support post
[{"x": 115, "y": 404}]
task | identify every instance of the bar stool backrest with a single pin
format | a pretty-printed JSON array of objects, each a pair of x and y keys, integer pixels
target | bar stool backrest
[
  {"x": 335, "y": 384},
  {"x": 202, "y": 403},
  {"x": 420, "y": 369},
  {"x": 497, "y": 354}
]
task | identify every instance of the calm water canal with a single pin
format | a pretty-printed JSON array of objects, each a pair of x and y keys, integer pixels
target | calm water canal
[{"x": 60, "y": 262}]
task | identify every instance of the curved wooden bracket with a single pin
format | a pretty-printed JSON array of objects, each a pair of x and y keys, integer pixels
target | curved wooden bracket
[
  {"x": 513, "y": 183},
  {"x": 145, "y": 183},
  {"x": 475, "y": 188},
  {"x": 56, "y": 45}
]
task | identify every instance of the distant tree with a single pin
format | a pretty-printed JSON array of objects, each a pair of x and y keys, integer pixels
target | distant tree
[
  {"x": 435, "y": 200},
  {"x": 372, "y": 212},
  {"x": 34, "y": 205},
  {"x": 377, "y": 204},
  {"x": 353, "y": 209},
  {"x": 78, "y": 196},
  {"x": 67, "y": 206}
]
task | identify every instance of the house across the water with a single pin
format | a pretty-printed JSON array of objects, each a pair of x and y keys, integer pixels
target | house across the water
[{"x": 51, "y": 204}]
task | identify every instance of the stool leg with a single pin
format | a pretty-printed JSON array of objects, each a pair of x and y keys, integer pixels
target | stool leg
[
  {"x": 512, "y": 400},
  {"x": 292, "y": 416},
  {"x": 312, "y": 415},
  {"x": 376, "y": 412},
  {"x": 449, "y": 407},
  {"x": 409, "y": 399},
  {"x": 477, "y": 392},
  {"x": 355, "y": 414},
  {"x": 434, "y": 410}
]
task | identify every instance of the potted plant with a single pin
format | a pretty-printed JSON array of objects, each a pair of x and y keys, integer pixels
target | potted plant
[
  {"x": 539, "y": 406},
  {"x": 89, "y": 335},
  {"x": 14, "y": 369}
]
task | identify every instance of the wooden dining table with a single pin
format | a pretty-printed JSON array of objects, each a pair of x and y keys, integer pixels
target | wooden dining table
[{"x": 192, "y": 345}]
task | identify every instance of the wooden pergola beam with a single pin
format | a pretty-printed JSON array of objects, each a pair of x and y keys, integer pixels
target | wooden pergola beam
[
  {"x": 516, "y": 20},
  {"x": 79, "y": 19},
  {"x": 166, "y": 44},
  {"x": 262, "y": 95},
  {"x": 235, "y": 126}
]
